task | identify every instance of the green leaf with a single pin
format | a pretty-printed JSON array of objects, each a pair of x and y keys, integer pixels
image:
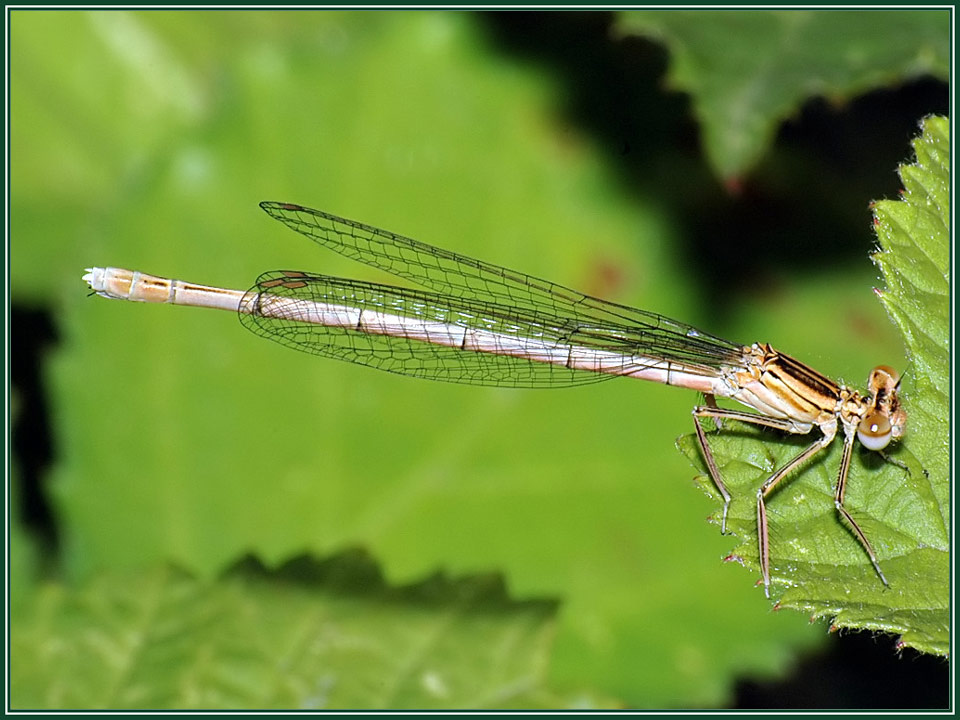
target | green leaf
[
  {"x": 817, "y": 564},
  {"x": 746, "y": 72},
  {"x": 309, "y": 635}
]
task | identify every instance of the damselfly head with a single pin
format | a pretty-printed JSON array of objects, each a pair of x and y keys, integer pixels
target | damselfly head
[{"x": 886, "y": 418}]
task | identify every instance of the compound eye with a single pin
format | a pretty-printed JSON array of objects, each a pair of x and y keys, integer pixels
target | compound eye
[{"x": 875, "y": 431}]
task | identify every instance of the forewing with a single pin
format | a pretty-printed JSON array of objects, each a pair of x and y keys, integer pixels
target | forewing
[{"x": 459, "y": 276}]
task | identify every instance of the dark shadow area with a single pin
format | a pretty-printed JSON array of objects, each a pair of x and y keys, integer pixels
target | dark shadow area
[
  {"x": 856, "y": 671},
  {"x": 804, "y": 207},
  {"x": 355, "y": 572},
  {"x": 32, "y": 336}
]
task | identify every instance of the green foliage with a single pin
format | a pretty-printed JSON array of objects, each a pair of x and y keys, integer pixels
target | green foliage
[
  {"x": 308, "y": 636},
  {"x": 904, "y": 511},
  {"x": 146, "y": 142},
  {"x": 914, "y": 235},
  {"x": 746, "y": 72}
]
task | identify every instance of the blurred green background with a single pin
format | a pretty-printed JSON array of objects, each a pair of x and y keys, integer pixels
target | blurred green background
[{"x": 562, "y": 145}]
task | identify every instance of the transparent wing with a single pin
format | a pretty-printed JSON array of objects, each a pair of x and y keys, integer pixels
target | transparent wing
[
  {"x": 416, "y": 333},
  {"x": 433, "y": 335},
  {"x": 454, "y": 276}
]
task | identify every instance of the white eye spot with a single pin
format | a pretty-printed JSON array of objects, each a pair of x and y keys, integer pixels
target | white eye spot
[{"x": 875, "y": 431}]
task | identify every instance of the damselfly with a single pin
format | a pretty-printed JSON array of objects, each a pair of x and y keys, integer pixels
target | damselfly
[{"x": 482, "y": 324}]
